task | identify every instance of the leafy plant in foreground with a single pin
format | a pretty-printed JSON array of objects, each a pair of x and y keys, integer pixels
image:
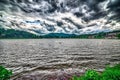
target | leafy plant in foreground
[
  {"x": 89, "y": 75},
  {"x": 110, "y": 73},
  {"x": 4, "y": 73}
]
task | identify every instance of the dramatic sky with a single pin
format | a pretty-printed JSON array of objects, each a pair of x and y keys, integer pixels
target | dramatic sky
[{"x": 60, "y": 16}]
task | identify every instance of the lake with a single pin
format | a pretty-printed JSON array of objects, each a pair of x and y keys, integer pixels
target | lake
[{"x": 46, "y": 56}]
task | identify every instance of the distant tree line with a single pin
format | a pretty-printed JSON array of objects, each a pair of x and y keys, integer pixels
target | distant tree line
[
  {"x": 11, "y": 33},
  {"x": 118, "y": 36}
]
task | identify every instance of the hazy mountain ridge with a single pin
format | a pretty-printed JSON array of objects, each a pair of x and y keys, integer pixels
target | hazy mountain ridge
[
  {"x": 13, "y": 34},
  {"x": 42, "y": 17}
]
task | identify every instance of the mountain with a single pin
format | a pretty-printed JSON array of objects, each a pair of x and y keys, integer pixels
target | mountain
[
  {"x": 11, "y": 33},
  {"x": 59, "y": 35},
  {"x": 52, "y": 17}
]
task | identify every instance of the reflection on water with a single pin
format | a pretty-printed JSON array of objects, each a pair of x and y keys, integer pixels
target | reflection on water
[{"x": 49, "y": 55}]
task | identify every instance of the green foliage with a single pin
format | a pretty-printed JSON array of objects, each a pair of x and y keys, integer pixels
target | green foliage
[
  {"x": 4, "y": 73},
  {"x": 118, "y": 36},
  {"x": 91, "y": 75},
  {"x": 11, "y": 33},
  {"x": 110, "y": 73}
]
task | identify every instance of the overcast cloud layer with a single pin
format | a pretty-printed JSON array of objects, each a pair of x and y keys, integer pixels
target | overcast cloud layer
[{"x": 60, "y": 16}]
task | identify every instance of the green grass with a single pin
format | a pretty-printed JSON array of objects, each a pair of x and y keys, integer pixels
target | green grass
[
  {"x": 110, "y": 73},
  {"x": 4, "y": 73}
]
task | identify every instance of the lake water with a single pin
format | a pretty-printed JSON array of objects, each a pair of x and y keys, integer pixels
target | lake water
[{"x": 41, "y": 56}]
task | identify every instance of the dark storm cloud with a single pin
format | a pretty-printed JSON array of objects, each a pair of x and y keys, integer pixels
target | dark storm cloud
[
  {"x": 114, "y": 5},
  {"x": 77, "y": 25},
  {"x": 4, "y": 1},
  {"x": 56, "y": 5}
]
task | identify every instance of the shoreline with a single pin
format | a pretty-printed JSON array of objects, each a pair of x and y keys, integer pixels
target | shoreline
[{"x": 50, "y": 75}]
